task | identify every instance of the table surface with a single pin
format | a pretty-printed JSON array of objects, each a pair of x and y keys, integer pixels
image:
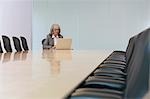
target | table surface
[{"x": 47, "y": 74}]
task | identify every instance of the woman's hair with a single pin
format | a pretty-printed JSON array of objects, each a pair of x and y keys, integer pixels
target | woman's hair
[{"x": 52, "y": 27}]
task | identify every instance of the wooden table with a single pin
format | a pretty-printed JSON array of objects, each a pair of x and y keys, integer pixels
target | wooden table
[{"x": 47, "y": 74}]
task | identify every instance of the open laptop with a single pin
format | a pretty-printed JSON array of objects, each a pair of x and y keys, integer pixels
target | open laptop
[{"x": 64, "y": 44}]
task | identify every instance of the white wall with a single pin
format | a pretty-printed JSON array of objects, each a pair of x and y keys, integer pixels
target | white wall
[
  {"x": 16, "y": 19},
  {"x": 148, "y": 3},
  {"x": 92, "y": 24}
]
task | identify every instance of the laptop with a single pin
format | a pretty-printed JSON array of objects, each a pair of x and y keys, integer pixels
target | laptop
[{"x": 64, "y": 44}]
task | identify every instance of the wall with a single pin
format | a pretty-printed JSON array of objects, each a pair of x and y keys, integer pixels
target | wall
[
  {"x": 92, "y": 24},
  {"x": 148, "y": 4},
  {"x": 16, "y": 19}
]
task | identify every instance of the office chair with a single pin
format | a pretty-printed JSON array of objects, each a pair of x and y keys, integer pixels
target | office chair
[
  {"x": 24, "y": 43},
  {"x": 135, "y": 84},
  {"x": 17, "y": 44},
  {"x": 43, "y": 41},
  {"x": 7, "y": 44}
]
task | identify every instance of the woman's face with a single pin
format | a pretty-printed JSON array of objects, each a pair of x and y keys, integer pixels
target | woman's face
[{"x": 56, "y": 30}]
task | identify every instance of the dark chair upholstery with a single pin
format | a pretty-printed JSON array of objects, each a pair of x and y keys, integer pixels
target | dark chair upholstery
[
  {"x": 24, "y": 43},
  {"x": 43, "y": 41},
  {"x": 94, "y": 95},
  {"x": 6, "y": 43},
  {"x": 17, "y": 44},
  {"x": 117, "y": 56},
  {"x": 138, "y": 75},
  {"x": 110, "y": 69},
  {"x": 133, "y": 86},
  {"x": 1, "y": 50},
  {"x": 135, "y": 59},
  {"x": 122, "y": 58}
]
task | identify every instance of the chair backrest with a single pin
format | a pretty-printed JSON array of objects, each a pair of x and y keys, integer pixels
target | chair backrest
[
  {"x": 1, "y": 50},
  {"x": 24, "y": 43},
  {"x": 17, "y": 44},
  {"x": 130, "y": 48},
  {"x": 43, "y": 41},
  {"x": 138, "y": 73},
  {"x": 7, "y": 44},
  {"x": 129, "y": 52}
]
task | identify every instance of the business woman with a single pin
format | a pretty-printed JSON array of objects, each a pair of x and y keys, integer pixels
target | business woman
[{"x": 51, "y": 39}]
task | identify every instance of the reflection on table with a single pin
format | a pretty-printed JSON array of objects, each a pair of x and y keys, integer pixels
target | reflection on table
[
  {"x": 47, "y": 74},
  {"x": 13, "y": 56},
  {"x": 6, "y": 57},
  {"x": 20, "y": 56},
  {"x": 54, "y": 57}
]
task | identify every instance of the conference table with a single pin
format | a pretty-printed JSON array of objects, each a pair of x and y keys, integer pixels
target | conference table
[{"x": 45, "y": 74}]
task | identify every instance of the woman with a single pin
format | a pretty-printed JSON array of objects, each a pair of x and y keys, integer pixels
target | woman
[{"x": 51, "y": 39}]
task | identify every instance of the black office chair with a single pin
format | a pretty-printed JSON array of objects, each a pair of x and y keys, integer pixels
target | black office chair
[
  {"x": 114, "y": 69},
  {"x": 1, "y": 50},
  {"x": 43, "y": 41},
  {"x": 135, "y": 84},
  {"x": 114, "y": 83},
  {"x": 17, "y": 44},
  {"x": 7, "y": 44},
  {"x": 24, "y": 43},
  {"x": 138, "y": 74}
]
